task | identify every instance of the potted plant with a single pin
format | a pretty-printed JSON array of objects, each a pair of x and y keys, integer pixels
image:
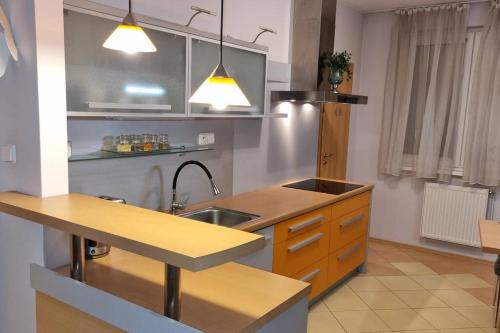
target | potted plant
[{"x": 338, "y": 64}]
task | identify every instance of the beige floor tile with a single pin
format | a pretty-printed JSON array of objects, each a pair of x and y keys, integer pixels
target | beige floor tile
[
  {"x": 403, "y": 320},
  {"x": 366, "y": 283},
  {"x": 413, "y": 268},
  {"x": 457, "y": 297},
  {"x": 399, "y": 283},
  {"x": 361, "y": 321},
  {"x": 444, "y": 318},
  {"x": 344, "y": 299},
  {"x": 319, "y": 307},
  {"x": 481, "y": 316},
  {"x": 463, "y": 330},
  {"x": 490, "y": 329},
  {"x": 418, "y": 299},
  {"x": 323, "y": 322},
  {"x": 420, "y": 331},
  {"x": 381, "y": 300},
  {"x": 467, "y": 280},
  {"x": 485, "y": 295},
  {"x": 432, "y": 282}
]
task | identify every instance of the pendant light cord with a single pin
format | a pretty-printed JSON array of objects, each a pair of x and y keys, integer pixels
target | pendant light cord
[
  {"x": 221, "y": 29},
  {"x": 129, "y": 6}
]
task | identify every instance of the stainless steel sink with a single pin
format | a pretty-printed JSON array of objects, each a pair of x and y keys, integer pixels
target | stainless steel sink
[{"x": 220, "y": 216}]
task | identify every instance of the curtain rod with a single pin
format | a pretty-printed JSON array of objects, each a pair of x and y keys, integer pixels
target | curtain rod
[{"x": 470, "y": 2}]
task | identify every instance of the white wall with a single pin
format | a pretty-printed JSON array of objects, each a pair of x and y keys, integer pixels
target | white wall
[
  {"x": 396, "y": 209},
  {"x": 33, "y": 120}
]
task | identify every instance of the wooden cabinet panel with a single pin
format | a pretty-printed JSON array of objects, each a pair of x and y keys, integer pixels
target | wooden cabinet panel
[
  {"x": 345, "y": 260},
  {"x": 346, "y": 206},
  {"x": 334, "y": 136},
  {"x": 301, "y": 224},
  {"x": 295, "y": 254},
  {"x": 349, "y": 227},
  {"x": 317, "y": 275}
]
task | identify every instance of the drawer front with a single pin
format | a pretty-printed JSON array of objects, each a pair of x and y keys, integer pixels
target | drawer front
[
  {"x": 301, "y": 224},
  {"x": 317, "y": 275},
  {"x": 297, "y": 253},
  {"x": 349, "y": 227},
  {"x": 348, "y": 205},
  {"x": 346, "y": 259}
]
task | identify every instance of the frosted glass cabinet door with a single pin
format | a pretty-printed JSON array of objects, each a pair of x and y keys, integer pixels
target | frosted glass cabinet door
[
  {"x": 247, "y": 67},
  {"x": 103, "y": 80}
]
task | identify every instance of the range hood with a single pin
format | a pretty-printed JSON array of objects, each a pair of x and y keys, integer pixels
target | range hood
[{"x": 313, "y": 34}]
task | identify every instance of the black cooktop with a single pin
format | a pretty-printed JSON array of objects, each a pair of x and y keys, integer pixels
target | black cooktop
[{"x": 324, "y": 186}]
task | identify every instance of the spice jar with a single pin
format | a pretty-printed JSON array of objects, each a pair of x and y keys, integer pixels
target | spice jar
[
  {"x": 163, "y": 143},
  {"x": 135, "y": 140},
  {"x": 146, "y": 142},
  {"x": 108, "y": 143},
  {"x": 154, "y": 142},
  {"x": 123, "y": 144}
]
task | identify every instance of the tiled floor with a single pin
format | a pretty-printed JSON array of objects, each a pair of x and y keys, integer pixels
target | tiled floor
[{"x": 406, "y": 289}]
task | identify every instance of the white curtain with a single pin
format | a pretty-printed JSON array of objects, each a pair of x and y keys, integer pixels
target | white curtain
[
  {"x": 423, "y": 91},
  {"x": 482, "y": 154}
]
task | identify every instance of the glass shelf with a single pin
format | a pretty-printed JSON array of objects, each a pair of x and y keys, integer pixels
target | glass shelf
[{"x": 105, "y": 155}]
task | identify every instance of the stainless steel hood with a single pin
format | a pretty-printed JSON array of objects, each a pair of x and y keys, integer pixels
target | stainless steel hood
[
  {"x": 317, "y": 97},
  {"x": 313, "y": 34}
]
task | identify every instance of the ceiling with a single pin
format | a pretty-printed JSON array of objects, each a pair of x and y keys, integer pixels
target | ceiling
[{"x": 382, "y": 5}]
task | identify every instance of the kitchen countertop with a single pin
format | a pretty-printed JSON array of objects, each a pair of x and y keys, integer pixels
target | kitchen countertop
[
  {"x": 226, "y": 298},
  {"x": 276, "y": 204},
  {"x": 170, "y": 239}
]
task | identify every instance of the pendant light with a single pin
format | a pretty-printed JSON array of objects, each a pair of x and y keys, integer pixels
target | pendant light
[
  {"x": 220, "y": 89},
  {"x": 129, "y": 37}
]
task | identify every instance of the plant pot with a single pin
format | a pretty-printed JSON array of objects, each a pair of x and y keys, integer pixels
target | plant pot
[{"x": 335, "y": 78}]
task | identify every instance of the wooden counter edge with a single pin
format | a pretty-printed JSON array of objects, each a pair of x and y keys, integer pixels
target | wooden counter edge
[
  {"x": 486, "y": 236},
  {"x": 177, "y": 259}
]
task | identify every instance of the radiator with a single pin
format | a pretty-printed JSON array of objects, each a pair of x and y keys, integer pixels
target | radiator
[{"x": 452, "y": 213}]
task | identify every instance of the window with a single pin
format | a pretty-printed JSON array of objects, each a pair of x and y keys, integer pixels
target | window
[{"x": 414, "y": 126}]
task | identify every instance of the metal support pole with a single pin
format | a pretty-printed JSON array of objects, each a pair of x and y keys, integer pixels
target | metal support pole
[
  {"x": 172, "y": 292},
  {"x": 77, "y": 258}
]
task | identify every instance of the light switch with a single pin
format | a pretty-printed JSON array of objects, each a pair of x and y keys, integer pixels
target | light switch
[
  {"x": 206, "y": 139},
  {"x": 8, "y": 153}
]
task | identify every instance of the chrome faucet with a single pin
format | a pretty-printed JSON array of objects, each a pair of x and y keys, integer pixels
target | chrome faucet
[{"x": 175, "y": 206}]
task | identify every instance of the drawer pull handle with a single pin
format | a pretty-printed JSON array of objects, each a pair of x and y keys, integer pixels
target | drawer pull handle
[
  {"x": 311, "y": 275},
  {"x": 352, "y": 220},
  {"x": 349, "y": 252},
  {"x": 305, "y": 242},
  {"x": 305, "y": 224}
]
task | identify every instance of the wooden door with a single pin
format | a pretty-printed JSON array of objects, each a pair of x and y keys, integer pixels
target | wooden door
[{"x": 334, "y": 137}]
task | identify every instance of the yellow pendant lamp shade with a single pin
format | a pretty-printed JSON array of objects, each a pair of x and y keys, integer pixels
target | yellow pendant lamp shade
[
  {"x": 129, "y": 37},
  {"x": 220, "y": 89}
]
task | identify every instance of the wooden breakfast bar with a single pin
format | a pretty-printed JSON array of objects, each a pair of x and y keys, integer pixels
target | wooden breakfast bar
[{"x": 123, "y": 291}]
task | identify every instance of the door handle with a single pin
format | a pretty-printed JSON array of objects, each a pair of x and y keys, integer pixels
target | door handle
[
  {"x": 326, "y": 156},
  {"x": 311, "y": 275},
  {"x": 305, "y": 224},
  {"x": 352, "y": 220},
  {"x": 295, "y": 247},
  {"x": 346, "y": 254}
]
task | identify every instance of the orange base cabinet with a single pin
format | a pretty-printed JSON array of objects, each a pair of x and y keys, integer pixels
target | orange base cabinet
[
  {"x": 317, "y": 275},
  {"x": 345, "y": 260}
]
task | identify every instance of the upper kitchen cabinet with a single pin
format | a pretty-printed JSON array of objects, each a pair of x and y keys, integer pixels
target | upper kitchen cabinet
[
  {"x": 103, "y": 82},
  {"x": 247, "y": 66}
]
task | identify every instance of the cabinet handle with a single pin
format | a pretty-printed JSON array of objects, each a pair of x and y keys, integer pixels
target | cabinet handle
[
  {"x": 305, "y": 242},
  {"x": 311, "y": 275},
  {"x": 352, "y": 220},
  {"x": 305, "y": 224},
  {"x": 348, "y": 252}
]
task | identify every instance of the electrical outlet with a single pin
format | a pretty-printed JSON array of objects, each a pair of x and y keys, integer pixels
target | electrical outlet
[
  {"x": 8, "y": 153},
  {"x": 206, "y": 139}
]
